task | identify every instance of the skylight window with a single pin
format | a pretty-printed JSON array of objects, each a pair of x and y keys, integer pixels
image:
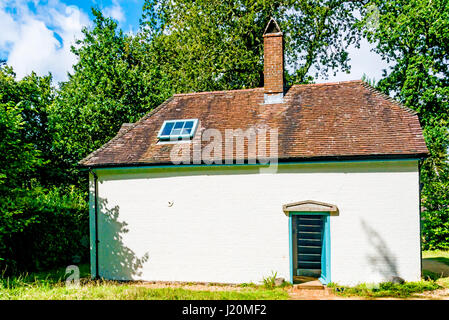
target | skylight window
[{"x": 178, "y": 129}]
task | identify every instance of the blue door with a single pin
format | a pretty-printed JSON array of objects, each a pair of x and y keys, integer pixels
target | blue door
[
  {"x": 309, "y": 230},
  {"x": 310, "y": 246},
  {"x": 325, "y": 276}
]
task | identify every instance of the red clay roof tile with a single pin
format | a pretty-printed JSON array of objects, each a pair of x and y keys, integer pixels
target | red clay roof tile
[{"x": 316, "y": 121}]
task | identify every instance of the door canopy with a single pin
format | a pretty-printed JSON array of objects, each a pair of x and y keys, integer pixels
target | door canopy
[{"x": 310, "y": 206}]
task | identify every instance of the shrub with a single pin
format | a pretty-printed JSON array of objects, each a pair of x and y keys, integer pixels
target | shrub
[{"x": 43, "y": 229}]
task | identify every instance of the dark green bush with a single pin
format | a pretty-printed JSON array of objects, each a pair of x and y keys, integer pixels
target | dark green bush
[{"x": 43, "y": 229}]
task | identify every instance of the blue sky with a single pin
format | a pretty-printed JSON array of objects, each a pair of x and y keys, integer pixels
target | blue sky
[
  {"x": 126, "y": 12},
  {"x": 36, "y": 36}
]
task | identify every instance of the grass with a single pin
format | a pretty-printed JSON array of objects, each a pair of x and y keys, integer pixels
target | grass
[
  {"x": 440, "y": 256},
  {"x": 51, "y": 286},
  {"x": 270, "y": 282},
  {"x": 431, "y": 281},
  {"x": 386, "y": 289},
  {"x": 114, "y": 291},
  {"x": 435, "y": 254},
  {"x": 443, "y": 282}
]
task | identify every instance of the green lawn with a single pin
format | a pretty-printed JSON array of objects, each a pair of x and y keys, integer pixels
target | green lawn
[
  {"x": 433, "y": 278},
  {"x": 437, "y": 255},
  {"x": 51, "y": 286},
  {"x": 436, "y": 273},
  {"x": 386, "y": 289}
]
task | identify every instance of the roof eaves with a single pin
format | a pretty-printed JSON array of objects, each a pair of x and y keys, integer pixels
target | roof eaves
[{"x": 344, "y": 158}]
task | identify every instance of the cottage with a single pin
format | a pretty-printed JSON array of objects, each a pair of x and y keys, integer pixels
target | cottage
[{"x": 314, "y": 180}]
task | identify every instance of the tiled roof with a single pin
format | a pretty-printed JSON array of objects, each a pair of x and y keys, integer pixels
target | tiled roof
[{"x": 316, "y": 121}]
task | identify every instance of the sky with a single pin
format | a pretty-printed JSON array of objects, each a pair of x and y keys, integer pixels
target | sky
[{"x": 36, "y": 36}]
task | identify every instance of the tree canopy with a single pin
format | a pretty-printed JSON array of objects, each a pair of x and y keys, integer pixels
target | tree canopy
[
  {"x": 216, "y": 45},
  {"x": 413, "y": 36},
  {"x": 109, "y": 87}
]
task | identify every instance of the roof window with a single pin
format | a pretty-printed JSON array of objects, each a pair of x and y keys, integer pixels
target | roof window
[{"x": 178, "y": 129}]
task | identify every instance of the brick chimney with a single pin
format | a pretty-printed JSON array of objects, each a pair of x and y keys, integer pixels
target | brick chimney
[{"x": 273, "y": 68}]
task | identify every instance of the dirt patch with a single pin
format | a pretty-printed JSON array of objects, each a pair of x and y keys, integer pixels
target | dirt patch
[
  {"x": 307, "y": 294},
  {"x": 294, "y": 294},
  {"x": 441, "y": 294},
  {"x": 190, "y": 286}
]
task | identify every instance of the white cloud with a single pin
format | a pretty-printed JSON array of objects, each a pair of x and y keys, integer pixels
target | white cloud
[
  {"x": 7, "y": 25},
  {"x": 40, "y": 40},
  {"x": 115, "y": 11}
]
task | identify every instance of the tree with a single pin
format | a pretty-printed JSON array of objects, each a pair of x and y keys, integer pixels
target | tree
[
  {"x": 31, "y": 97},
  {"x": 17, "y": 165},
  {"x": 435, "y": 191},
  {"x": 19, "y": 158},
  {"x": 215, "y": 45},
  {"x": 41, "y": 222},
  {"x": 412, "y": 35},
  {"x": 109, "y": 86}
]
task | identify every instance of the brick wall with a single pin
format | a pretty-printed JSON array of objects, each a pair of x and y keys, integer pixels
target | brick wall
[{"x": 273, "y": 63}]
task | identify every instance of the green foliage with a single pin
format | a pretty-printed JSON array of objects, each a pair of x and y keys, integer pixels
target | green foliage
[
  {"x": 30, "y": 99},
  {"x": 215, "y": 45},
  {"x": 386, "y": 289},
  {"x": 270, "y": 281},
  {"x": 43, "y": 278},
  {"x": 430, "y": 275},
  {"x": 19, "y": 135},
  {"x": 41, "y": 229},
  {"x": 435, "y": 191},
  {"x": 40, "y": 225},
  {"x": 286, "y": 284},
  {"x": 109, "y": 87},
  {"x": 18, "y": 163},
  {"x": 442, "y": 255},
  {"x": 19, "y": 158},
  {"x": 371, "y": 82},
  {"x": 413, "y": 36},
  {"x": 249, "y": 285}
]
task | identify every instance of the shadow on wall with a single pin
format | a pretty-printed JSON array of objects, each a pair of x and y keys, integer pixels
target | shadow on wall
[
  {"x": 383, "y": 261},
  {"x": 115, "y": 260}
]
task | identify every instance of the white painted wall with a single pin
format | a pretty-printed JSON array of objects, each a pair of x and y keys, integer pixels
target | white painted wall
[{"x": 226, "y": 224}]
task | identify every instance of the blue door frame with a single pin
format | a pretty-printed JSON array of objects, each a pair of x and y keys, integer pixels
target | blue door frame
[{"x": 325, "y": 277}]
